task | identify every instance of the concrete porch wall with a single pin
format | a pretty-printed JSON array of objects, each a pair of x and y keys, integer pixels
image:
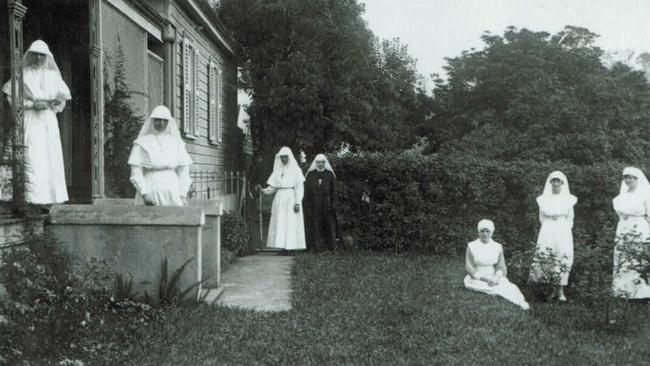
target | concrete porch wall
[
  {"x": 211, "y": 237},
  {"x": 135, "y": 239}
]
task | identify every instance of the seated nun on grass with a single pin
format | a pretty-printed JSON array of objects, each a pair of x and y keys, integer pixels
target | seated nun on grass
[
  {"x": 486, "y": 267},
  {"x": 160, "y": 164}
]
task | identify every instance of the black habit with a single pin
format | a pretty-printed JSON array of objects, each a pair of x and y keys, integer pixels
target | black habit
[{"x": 319, "y": 203}]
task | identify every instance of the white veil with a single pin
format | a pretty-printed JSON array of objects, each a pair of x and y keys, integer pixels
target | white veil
[
  {"x": 565, "y": 191},
  {"x": 160, "y": 112},
  {"x": 321, "y": 157},
  {"x": 643, "y": 186},
  {"x": 51, "y": 86},
  {"x": 174, "y": 153},
  {"x": 285, "y": 176}
]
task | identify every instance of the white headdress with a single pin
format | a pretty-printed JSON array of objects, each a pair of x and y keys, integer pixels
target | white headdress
[
  {"x": 173, "y": 153},
  {"x": 548, "y": 197},
  {"x": 160, "y": 112},
  {"x": 285, "y": 176},
  {"x": 564, "y": 188},
  {"x": 321, "y": 157},
  {"x": 643, "y": 186},
  {"x": 565, "y": 191},
  {"x": 50, "y": 84},
  {"x": 486, "y": 224}
]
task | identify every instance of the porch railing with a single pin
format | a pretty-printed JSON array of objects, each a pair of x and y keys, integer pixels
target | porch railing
[{"x": 213, "y": 184}]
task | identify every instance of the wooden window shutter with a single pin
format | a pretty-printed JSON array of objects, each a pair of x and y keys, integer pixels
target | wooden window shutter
[
  {"x": 187, "y": 86},
  {"x": 220, "y": 104},
  {"x": 195, "y": 91},
  {"x": 212, "y": 113}
]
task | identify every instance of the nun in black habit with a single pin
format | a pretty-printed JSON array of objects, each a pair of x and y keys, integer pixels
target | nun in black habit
[{"x": 320, "y": 203}]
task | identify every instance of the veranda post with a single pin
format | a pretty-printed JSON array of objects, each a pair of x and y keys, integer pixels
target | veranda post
[{"x": 17, "y": 12}]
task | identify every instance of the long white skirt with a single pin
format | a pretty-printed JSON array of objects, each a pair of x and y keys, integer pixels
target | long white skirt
[
  {"x": 555, "y": 237},
  {"x": 287, "y": 228},
  {"x": 44, "y": 171},
  {"x": 163, "y": 186},
  {"x": 505, "y": 289},
  {"x": 627, "y": 283}
]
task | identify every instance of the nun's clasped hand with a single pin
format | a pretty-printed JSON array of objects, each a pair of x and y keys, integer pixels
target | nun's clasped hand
[{"x": 40, "y": 105}]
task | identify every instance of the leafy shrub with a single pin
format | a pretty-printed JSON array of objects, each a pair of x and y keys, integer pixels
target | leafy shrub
[
  {"x": 519, "y": 264},
  {"x": 50, "y": 312},
  {"x": 47, "y": 307},
  {"x": 227, "y": 257},
  {"x": 591, "y": 277},
  {"x": 121, "y": 126},
  {"x": 234, "y": 235},
  {"x": 634, "y": 254}
]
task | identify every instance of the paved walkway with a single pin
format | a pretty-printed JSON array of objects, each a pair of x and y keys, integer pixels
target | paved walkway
[{"x": 260, "y": 282}]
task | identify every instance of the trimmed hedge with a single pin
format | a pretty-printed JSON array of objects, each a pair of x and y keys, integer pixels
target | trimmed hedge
[{"x": 432, "y": 203}]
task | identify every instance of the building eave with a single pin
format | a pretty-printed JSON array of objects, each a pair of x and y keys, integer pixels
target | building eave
[
  {"x": 207, "y": 17},
  {"x": 148, "y": 11},
  {"x": 141, "y": 14}
]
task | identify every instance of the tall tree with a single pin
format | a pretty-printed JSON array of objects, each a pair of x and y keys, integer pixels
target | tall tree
[{"x": 318, "y": 76}]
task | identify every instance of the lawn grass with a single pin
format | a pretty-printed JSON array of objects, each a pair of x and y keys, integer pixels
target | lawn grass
[{"x": 388, "y": 310}]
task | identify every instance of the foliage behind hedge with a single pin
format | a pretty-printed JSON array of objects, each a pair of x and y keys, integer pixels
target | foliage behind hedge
[{"x": 432, "y": 203}]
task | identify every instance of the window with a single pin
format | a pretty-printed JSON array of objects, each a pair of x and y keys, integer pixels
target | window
[
  {"x": 215, "y": 113},
  {"x": 190, "y": 74},
  {"x": 155, "y": 84}
]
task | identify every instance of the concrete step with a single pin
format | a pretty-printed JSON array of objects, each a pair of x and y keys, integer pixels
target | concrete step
[
  {"x": 15, "y": 231},
  {"x": 269, "y": 250}
]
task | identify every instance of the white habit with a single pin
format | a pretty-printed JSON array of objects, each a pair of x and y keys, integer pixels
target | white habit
[
  {"x": 44, "y": 171},
  {"x": 555, "y": 237},
  {"x": 160, "y": 164},
  {"x": 485, "y": 260},
  {"x": 286, "y": 228},
  {"x": 633, "y": 209}
]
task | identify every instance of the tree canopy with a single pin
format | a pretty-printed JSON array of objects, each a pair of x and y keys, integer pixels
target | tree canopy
[
  {"x": 533, "y": 95},
  {"x": 319, "y": 77}
]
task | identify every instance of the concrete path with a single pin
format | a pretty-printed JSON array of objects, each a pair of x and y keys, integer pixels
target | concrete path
[{"x": 259, "y": 282}]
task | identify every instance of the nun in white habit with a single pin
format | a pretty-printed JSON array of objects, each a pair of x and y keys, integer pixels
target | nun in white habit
[
  {"x": 555, "y": 237},
  {"x": 160, "y": 164},
  {"x": 45, "y": 95},
  {"x": 287, "y": 227},
  {"x": 486, "y": 267},
  {"x": 632, "y": 205}
]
